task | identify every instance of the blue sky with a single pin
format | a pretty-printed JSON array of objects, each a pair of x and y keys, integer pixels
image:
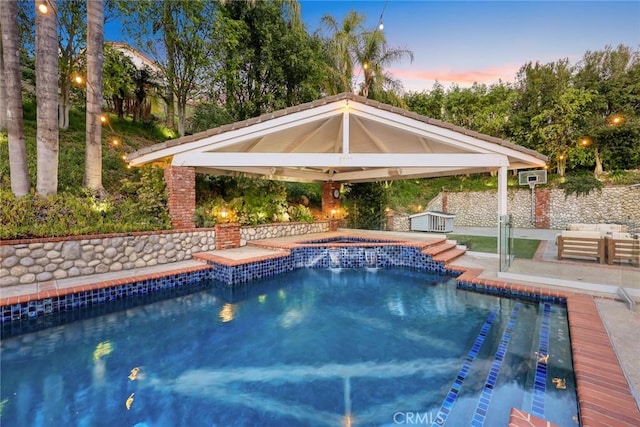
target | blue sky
[{"x": 463, "y": 42}]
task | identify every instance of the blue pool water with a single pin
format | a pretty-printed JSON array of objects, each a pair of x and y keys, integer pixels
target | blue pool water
[{"x": 314, "y": 347}]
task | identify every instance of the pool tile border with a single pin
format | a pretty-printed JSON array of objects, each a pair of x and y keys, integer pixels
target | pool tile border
[{"x": 604, "y": 396}]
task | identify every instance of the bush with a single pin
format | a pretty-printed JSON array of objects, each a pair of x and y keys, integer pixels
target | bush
[{"x": 580, "y": 184}]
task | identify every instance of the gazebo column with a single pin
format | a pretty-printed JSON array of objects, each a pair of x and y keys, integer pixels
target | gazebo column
[
  {"x": 181, "y": 186},
  {"x": 502, "y": 210},
  {"x": 331, "y": 204}
]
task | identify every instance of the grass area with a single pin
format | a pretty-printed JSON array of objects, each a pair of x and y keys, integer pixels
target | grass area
[{"x": 522, "y": 248}]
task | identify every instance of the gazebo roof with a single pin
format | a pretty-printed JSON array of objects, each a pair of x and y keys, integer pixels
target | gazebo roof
[{"x": 341, "y": 138}]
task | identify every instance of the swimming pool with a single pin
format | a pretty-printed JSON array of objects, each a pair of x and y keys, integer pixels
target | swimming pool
[{"x": 309, "y": 347}]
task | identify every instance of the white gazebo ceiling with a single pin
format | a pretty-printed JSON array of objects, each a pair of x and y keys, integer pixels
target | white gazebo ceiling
[{"x": 341, "y": 138}]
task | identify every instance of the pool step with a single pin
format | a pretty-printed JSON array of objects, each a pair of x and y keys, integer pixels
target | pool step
[{"x": 445, "y": 251}]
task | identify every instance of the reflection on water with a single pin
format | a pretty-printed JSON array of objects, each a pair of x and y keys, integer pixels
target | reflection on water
[{"x": 314, "y": 347}]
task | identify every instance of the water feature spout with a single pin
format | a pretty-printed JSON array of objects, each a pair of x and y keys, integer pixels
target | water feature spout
[
  {"x": 334, "y": 257},
  {"x": 371, "y": 257}
]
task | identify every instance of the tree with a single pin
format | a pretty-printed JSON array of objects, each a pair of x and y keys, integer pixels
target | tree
[
  {"x": 430, "y": 104},
  {"x": 341, "y": 48},
  {"x": 143, "y": 79},
  {"x": 47, "y": 99},
  {"x": 374, "y": 55},
  {"x": 71, "y": 41},
  {"x": 3, "y": 86},
  {"x": 349, "y": 46},
  {"x": 117, "y": 85},
  {"x": 95, "y": 41},
  {"x": 613, "y": 75},
  {"x": 20, "y": 183},
  {"x": 179, "y": 40},
  {"x": 561, "y": 125},
  {"x": 264, "y": 59},
  {"x": 538, "y": 87}
]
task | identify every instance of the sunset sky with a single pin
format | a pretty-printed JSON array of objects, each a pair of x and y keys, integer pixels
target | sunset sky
[{"x": 463, "y": 42}]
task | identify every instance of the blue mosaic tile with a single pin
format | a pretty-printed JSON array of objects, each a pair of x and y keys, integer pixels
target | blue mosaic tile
[
  {"x": 492, "y": 377},
  {"x": 540, "y": 383},
  {"x": 450, "y": 399}
]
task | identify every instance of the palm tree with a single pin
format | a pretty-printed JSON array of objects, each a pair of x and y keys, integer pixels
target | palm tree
[
  {"x": 10, "y": 45},
  {"x": 47, "y": 97},
  {"x": 341, "y": 50},
  {"x": 374, "y": 55},
  {"x": 3, "y": 87},
  {"x": 95, "y": 41}
]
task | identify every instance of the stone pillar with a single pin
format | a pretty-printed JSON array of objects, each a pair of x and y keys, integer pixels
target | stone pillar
[
  {"x": 181, "y": 186},
  {"x": 543, "y": 204},
  {"x": 329, "y": 202},
  {"x": 227, "y": 236}
]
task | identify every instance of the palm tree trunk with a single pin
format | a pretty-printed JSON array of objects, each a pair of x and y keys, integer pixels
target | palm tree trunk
[
  {"x": 47, "y": 99},
  {"x": 95, "y": 40},
  {"x": 599, "y": 169},
  {"x": 18, "y": 170},
  {"x": 3, "y": 86}
]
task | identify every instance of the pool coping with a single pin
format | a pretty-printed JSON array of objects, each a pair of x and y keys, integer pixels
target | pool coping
[{"x": 603, "y": 393}]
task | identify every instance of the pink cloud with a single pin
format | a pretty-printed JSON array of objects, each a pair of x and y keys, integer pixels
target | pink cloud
[{"x": 467, "y": 77}]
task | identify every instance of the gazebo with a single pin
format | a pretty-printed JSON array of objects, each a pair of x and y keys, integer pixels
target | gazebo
[{"x": 333, "y": 140}]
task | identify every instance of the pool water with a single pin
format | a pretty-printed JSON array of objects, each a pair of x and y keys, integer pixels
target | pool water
[{"x": 314, "y": 347}]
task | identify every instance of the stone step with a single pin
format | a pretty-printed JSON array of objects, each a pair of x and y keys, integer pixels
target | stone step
[
  {"x": 449, "y": 255},
  {"x": 440, "y": 247}
]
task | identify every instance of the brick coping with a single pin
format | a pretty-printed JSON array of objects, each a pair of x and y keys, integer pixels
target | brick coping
[{"x": 604, "y": 396}]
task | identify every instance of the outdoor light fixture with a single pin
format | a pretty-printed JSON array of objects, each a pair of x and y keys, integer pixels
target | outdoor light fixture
[
  {"x": 42, "y": 7},
  {"x": 223, "y": 213},
  {"x": 115, "y": 142},
  {"x": 616, "y": 120},
  {"x": 103, "y": 118},
  {"x": 78, "y": 79},
  {"x": 585, "y": 142}
]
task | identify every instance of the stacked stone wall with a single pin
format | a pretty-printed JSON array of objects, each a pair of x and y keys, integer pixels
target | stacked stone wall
[
  {"x": 42, "y": 260},
  {"x": 281, "y": 230},
  {"x": 552, "y": 209}
]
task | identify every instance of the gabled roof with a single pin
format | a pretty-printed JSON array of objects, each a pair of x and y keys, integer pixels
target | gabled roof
[{"x": 344, "y": 137}]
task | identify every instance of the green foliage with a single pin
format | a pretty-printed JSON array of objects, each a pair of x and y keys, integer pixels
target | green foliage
[
  {"x": 150, "y": 193},
  {"x": 263, "y": 59},
  {"x": 66, "y": 214},
  {"x": 300, "y": 213},
  {"x": 620, "y": 177},
  {"x": 209, "y": 115},
  {"x": 298, "y": 192},
  {"x": 580, "y": 184},
  {"x": 366, "y": 203}
]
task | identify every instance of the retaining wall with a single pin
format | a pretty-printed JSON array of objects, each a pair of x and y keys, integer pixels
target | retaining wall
[
  {"x": 30, "y": 261},
  {"x": 552, "y": 209}
]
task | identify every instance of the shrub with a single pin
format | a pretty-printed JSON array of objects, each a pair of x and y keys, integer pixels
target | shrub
[
  {"x": 580, "y": 184},
  {"x": 300, "y": 213}
]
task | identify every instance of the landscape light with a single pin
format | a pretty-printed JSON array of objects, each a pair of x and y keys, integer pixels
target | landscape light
[
  {"x": 616, "y": 120},
  {"x": 43, "y": 8},
  {"x": 585, "y": 142},
  {"x": 103, "y": 118},
  {"x": 115, "y": 142},
  {"x": 78, "y": 79}
]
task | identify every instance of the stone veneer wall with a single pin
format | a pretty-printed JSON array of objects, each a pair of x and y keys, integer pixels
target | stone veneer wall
[
  {"x": 40, "y": 260},
  {"x": 619, "y": 204},
  {"x": 271, "y": 231}
]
